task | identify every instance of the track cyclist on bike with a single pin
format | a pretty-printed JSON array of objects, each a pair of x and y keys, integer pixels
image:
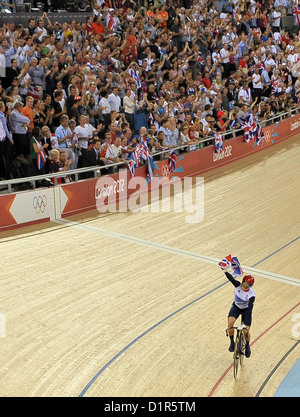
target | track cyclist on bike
[{"x": 243, "y": 304}]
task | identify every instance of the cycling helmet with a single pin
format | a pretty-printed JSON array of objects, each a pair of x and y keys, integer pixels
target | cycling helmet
[{"x": 249, "y": 279}]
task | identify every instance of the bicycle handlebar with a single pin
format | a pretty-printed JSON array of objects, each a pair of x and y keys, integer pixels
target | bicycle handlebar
[{"x": 237, "y": 327}]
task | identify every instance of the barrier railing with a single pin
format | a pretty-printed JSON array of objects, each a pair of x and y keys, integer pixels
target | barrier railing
[{"x": 96, "y": 170}]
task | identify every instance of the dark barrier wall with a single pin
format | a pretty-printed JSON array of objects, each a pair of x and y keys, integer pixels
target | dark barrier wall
[{"x": 54, "y": 17}]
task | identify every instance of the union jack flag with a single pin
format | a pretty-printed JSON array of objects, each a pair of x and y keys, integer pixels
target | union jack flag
[
  {"x": 275, "y": 86},
  {"x": 218, "y": 143},
  {"x": 131, "y": 167},
  {"x": 135, "y": 76},
  {"x": 41, "y": 159},
  {"x": 296, "y": 14},
  {"x": 145, "y": 154},
  {"x": 252, "y": 130},
  {"x": 141, "y": 152},
  {"x": 150, "y": 166},
  {"x": 233, "y": 263},
  {"x": 172, "y": 161}
]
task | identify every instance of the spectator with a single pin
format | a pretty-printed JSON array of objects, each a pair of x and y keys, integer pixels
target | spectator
[
  {"x": 37, "y": 148},
  {"x": 19, "y": 124},
  {"x": 93, "y": 157},
  {"x": 56, "y": 165},
  {"x": 57, "y": 109},
  {"x": 6, "y": 143},
  {"x": 105, "y": 108},
  {"x": 27, "y": 111},
  {"x": 83, "y": 138},
  {"x": 64, "y": 135},
  {"x": 114, "y": 100},
  {"x": 143, "y": 68},
  {"x": 108, "y": 151}
]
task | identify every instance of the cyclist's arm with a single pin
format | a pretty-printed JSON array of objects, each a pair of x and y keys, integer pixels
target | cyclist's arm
[
  {"x": 233, "y": 281},
  {"x": 251, "y": 302}
]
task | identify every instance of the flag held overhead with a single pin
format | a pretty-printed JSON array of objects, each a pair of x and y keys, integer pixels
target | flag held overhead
[{"x": 233, "y": 263}]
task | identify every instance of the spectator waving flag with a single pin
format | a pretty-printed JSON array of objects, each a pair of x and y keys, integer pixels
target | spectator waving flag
[
  {"x": 41, "y": 159},
  {"x": 141, "y": 152},
  {"x": 172, "y": 161},
  {"x": 275, "y": 86},
  {"x": 134, "y": 74},
  {"x": 218, "y": 143},
  {"x": 233, "y": 263},
  {"x": 145, "y": 154},
  {"x": 248, "y": 125}
]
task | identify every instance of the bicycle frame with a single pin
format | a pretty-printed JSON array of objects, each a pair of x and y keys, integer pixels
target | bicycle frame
[{"x": 239, "y": 346}]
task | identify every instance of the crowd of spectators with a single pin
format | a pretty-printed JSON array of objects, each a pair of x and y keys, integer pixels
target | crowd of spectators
[{"x": 175, "y": 72}]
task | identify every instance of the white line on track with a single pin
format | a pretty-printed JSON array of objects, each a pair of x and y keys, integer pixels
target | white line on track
[{"x": 177, "y": 251}]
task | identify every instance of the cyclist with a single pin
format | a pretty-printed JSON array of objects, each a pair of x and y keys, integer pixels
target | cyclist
[{"x": 243, "y": 304}]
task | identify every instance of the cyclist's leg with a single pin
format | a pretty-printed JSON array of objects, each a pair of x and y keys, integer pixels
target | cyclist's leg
[
  {"x": 247, "y": 320},
  {"x": 247, "y": 334},
  {"x": 232, "y": 316}
]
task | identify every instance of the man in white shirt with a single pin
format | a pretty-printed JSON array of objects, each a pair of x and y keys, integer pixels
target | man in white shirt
[
  {"x": 275, "y": 19},
  {"x": 117, "y": 146},
  {"x": 244, "y": 95},
  {"x": 114, "y": 100},
  {"x": 105, "y": 107},
  {"x": 270, "y": 61},
  {"x": 215, "y": 56},
  {"x": 83, "y": 138},
  {"x": 40, "y": 30},
  {"x": 224, "y": 54},
  {"x": 257, "y": 83},
  {"x": 109, "y": 151},
  {"x": 94, "y": 92}
]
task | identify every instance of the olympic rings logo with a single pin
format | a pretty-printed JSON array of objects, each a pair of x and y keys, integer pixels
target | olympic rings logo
[
  {"x": 267, "y": 134},
  {"x": 165, "y": 171},
  {"x": 39, "y": 204}
]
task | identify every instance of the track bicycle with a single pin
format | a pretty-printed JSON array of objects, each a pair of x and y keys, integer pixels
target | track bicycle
[{"x": 239, "y": 346}]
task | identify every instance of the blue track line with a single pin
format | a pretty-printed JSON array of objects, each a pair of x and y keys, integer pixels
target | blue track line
[
  {"x": 167, "y": 318},
  {"x": 142, "y": 335},
  {"x": 278, "y": 250}
]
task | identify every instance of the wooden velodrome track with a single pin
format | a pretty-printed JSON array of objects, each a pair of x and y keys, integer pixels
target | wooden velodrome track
[{"x": 134, "y": 304}]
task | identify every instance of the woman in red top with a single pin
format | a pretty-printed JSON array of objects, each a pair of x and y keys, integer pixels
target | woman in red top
[
  {"x": 206, "y": 80},
  {"x": 221, "y": 123}
]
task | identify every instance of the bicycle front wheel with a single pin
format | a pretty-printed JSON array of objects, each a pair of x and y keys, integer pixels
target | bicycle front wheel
[
  {"x": 236, "y": 356},
  {"x": 242, "y": 348}
]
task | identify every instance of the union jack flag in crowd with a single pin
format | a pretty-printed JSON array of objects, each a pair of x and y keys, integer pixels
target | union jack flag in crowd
[
  {"x": 131, "y": 167},
  {"x": 233, "y": 263},
  {"x": 41, "y": 159},
  {"x": 146, "y": 155},
  {"x": 252, "y": 130},
  {"x": 135, "y": 76},
  {"x": 172, "y": 161},
  {"x": 296, "y": 13},
  {"x": 141, "y": 152},
  {"x": 275, "y": 86},
  {"x": 218, "y": 143}
]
